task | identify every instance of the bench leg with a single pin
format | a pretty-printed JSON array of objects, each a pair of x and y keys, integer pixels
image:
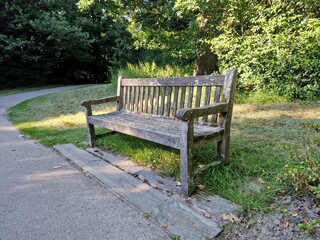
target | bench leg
[
  {"x": 91, "y": 133},
  {"x": 186, "y": 155},
  {"x": 223, "y": 148}
]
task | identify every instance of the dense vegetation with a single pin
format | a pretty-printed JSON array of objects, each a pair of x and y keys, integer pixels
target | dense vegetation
[{"x": 275, "y": 44}]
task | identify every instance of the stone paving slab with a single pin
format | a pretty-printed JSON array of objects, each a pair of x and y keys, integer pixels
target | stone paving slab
[
  {"x": 177, "y": 217},
  {"x": 212, "y": 205}
]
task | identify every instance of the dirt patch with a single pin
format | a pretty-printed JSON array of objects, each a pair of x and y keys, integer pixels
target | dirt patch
[{"x": 291, "y": 220}]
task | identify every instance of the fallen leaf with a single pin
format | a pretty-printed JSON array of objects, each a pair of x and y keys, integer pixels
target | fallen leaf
[
  {"x": 286, "y": 224},
  {"x": 294, "y": 214},
  {"x": 231, "y": 217},
  {"x": 164, "y": 225},
  {"x": 201, "y": 187},
  {"x": 260, "y": 180},
  {"x": 207, "y": 215},
  {"x": 178, "y": 183},
  {"x": 56, "y": 167}
]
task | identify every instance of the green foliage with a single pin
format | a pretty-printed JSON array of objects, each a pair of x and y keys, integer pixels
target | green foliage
[
  {"x": 303, "y": 169},
  {"x": 310, "y": 227},
  {"x": 69, "y": 41},
  {"x": 148, "y": 69},
  {"x": 275, "y": 47}
]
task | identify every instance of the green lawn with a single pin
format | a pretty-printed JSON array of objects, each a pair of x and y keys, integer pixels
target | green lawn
[{"x": 262, "y": 138}]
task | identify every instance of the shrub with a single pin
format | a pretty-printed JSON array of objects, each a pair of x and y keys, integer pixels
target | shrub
[
  {"x": 303, "y": 169},
  {"x": 147, "y": 69},
  {"x": 280, "y": 51}
]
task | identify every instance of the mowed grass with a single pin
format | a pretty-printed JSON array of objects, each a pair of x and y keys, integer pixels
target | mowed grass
[{"x": 262, "y": 137}]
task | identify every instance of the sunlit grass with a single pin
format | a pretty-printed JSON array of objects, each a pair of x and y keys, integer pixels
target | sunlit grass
[{"x": 262, "y": 137}]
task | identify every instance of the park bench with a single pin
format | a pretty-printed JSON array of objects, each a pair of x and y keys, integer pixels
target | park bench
[{"x": 179, "y": 112}]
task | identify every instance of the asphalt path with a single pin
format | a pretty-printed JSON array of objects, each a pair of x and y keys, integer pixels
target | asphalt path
[{"x": 43, "y": 197}]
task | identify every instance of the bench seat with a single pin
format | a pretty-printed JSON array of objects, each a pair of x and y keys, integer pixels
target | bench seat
[{"x": 154, "y": 128}]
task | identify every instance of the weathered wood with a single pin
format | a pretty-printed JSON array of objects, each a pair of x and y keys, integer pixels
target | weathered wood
[
  {"x": 217, "y": 97},
  {"x": 190, "y": 97},
  {"x": 151, "y": 101},
  {"x": 207, "y": 101},
  {"x": 163, "y": 95},
  {"x": 131, "y": 98},
  {"x": 146, "y": 99},
  {"x": 86, "y": 103},
  {"x": 186, "y": 154},
  {"x": 225, "y": 119},
  {"x": 175, "y": 101},
  {"x": 157, "y": 101},
  {"x": 183, "y": 96},
  {"x": 136, "y": 104},
  {"x": 207, "y": 80},
  {"x": 191, "y": 113},
  {"x": 168, "y": 107},
  {"x": 91, "y": 130},
  {"x": 120, "y": 94},
  {"x": 198, "y": 98}
]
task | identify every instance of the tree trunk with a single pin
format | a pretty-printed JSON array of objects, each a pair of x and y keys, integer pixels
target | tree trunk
[{"x": 207, "y": 63}]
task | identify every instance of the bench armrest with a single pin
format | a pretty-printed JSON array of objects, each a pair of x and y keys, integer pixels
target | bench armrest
[
  {"x": 87, "y": 103},
  {"x": 189, "y": 113}
]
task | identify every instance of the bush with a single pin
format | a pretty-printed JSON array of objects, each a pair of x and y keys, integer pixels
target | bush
[
  {"x": 279, "y": 52},
  {"x": 303, "y": 169},
  {"x": 148, "y": 69}
]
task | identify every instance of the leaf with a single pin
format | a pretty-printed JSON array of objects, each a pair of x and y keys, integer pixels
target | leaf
[
  {"x": 286, "y": 224},
  {"x": 201, "y": 187},
  {"x": 231, "y": 217},
  {"x": 164, "y": 226},
  {"x": 294, "y": 214}
]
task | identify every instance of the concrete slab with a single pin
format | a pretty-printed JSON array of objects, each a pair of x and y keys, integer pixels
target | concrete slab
[
  {"x": 213, "y": 205},
  {"x": 176, "y": 216}
]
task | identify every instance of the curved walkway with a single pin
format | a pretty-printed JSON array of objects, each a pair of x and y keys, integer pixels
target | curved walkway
[{"x": 43, "y": 197}]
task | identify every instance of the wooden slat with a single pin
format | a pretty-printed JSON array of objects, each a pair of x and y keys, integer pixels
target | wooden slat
[
  {"x": 216, "y": 100},
  {"x": 168, "y": 105},
  {"x": 207, "y": 80},
  {"x": 124, "y": 96},
  {"x": 157, "y": 101},
  {"x": 198, "y": 96},
  {"x": 175, "y": 101},
  {"x": 127, "y": 96},
  {"x": 139, "y": 123},
  {"x": 163, "y": 92},
  {"x": 141, "y": 89},
  {"x": 132, "y": 98},
  {"x": 151, "y": 99},
  {"x": 207, "y": 101},
  {"x": 136, "y": 99},
  {"x": 146, "y": 99},
  {"x": 183, "y": 96},
  {"x": 190, "y": 97}
]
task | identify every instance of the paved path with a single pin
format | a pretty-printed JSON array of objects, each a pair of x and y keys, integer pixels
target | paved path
[{"x": 40, "y": 201}]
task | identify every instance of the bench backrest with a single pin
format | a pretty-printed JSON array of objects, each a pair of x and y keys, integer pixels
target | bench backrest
[{"x": 164, "y": 96}]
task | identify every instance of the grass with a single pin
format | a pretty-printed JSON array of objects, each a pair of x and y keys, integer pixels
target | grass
[{"x": 263, "y": 134}]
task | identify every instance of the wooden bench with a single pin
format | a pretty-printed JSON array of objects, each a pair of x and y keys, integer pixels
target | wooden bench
[{"x": 178, "y": 112}]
